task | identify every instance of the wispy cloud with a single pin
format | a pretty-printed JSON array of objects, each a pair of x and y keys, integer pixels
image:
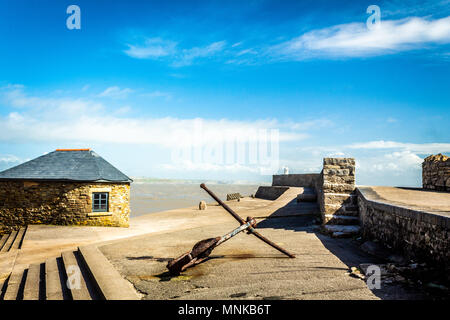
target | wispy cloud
[
  {"x": 152, "y": 48},
  {"x": 356, "y": 40},
  {"x": 157, "y": 94},
  {"x": 350, "y": 40},
  {"x": 115, "y": 92},
  {"x": 420, "y": 148},
  {"x": 9, "y": 160},
  {"x": 189, "y": 55},
  {"x": 84, "y": 120},
  {"x": 157, "y": 48}
]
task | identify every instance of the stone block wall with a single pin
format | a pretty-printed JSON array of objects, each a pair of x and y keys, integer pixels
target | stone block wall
[
  {"x": 436, "y": 173},
  {"x": 295, "y": 180},
  {"x": 61, "y": 203},
  {"x": 418, "y": 235},
  {"x": 336, "y": 189}
]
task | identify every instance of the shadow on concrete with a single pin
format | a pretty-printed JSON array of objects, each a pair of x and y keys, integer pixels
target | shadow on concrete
[
  {"x": 303, "y": 219},
  {"x": 295, "y": 216},
  {"x": 350, "y": 253},
  {"x": 151, "y": 258}
]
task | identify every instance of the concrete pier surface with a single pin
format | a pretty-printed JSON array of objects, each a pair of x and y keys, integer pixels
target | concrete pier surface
[
  {"x": 437, "y": 202},
  {"x": 241, "y": 268}
]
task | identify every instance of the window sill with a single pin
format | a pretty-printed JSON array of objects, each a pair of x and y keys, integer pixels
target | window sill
[{"x": 99, "y": 214}]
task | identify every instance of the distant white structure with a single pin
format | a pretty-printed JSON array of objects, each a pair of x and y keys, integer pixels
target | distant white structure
[{"x": 285, "y": 170}]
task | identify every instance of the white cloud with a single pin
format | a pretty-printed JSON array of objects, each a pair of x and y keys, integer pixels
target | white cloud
[
  {"x": 421, "y": 148},
  {"x": 157, "y": 48},
  {"x": 79, "y": 120},
  {"x": 115, "y": 92},
  {"x": 153, "y": 48},
  {"x": 395, "y": 163},
  {"x": 356, "y": 40},
  {"x": 189, "y": 55},
  {"x": 391, "y": 120},
  {"x": 377, "y": 162},
  {"x": 9, "y": 160},
  {"x": 158, "y": 94}
]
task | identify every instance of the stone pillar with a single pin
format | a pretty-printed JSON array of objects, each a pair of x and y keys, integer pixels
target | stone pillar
[{"x": 338, "y": 201}]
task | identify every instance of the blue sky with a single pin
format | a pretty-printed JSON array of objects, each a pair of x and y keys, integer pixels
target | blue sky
[{"x": 139, "y": 76}]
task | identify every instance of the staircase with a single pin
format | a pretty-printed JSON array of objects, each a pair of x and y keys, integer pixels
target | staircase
[
  {"x": 12, "y": 241},
  {"x": 84, "y": 274},
  {"x": 307, "y": 203},
  {"x": 344, "y": 221}
]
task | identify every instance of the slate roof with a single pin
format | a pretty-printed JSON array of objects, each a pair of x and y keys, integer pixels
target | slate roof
[{"x": 66, "y": 165}]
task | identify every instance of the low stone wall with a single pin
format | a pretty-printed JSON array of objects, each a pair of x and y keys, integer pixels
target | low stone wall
[
  {"x": 436, "y": 173},
  {"x": 60, "y": 203},
  {"x": 336, "y": 188},
  {"x": 418, "y": 235},
  {"x": 295, "y": 180},
  {"x": 270, "y": 193}
]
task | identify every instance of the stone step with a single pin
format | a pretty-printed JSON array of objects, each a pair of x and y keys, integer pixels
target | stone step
[
  {"x": 2, "y": 288},
  {"x": 15, "y": 284},
  {"x": 109, "y": 282},
  {"x": 78, "y": 287},
  {"x": 53, "y": 288},
  {"x": 340, "y": 219},
  {"x": 7, "y": 261},
  {"x": 33, "y": 283},
  {"x": 3, "y": 240},
  {"x": 308, "y": 195},
  {"x": 91, "y": 277},
  {"x": 18, "y": 240},
  {"x": 343, "y": 210},
  {"x": 9, "y": 242},
  {"x": 339, "y": 231}
]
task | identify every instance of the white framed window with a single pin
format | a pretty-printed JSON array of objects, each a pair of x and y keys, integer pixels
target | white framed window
[{"x": 100, "y": 201}]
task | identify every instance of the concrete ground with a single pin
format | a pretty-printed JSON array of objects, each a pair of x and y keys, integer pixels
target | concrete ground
[
  {"x": 414, "y": 198},
  {"x": 242, "y": 268},
  {"x": 246, "y": 268},
  {"x": 43, "y": 241}
]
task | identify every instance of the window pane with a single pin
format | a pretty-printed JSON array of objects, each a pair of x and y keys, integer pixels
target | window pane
[{"x": 100, "y": 201}]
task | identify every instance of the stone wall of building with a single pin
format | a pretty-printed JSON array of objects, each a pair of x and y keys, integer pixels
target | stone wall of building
[
  {"x": 295, "y": 180},
  {"x": 436, "y": 173},
  {"x": 61, "y": 203},
  {"x": 418, "y": 235},
  {"x": 336, "y": 189}
]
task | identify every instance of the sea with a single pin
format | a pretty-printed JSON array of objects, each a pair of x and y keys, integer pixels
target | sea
[{"x": 156, "y": 195}]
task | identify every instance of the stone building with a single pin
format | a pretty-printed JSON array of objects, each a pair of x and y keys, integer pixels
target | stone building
[
  {"x": 436, "y": 172},
  {"x": 64, "y": 187}
]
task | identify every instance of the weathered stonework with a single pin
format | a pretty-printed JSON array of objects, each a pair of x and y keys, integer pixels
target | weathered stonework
[
  {"x": 436, "y": 173},
  {"x": 61, "y": 203},
  {"x": 418, "y": 235},
  {"x": 336, "y": 189}
]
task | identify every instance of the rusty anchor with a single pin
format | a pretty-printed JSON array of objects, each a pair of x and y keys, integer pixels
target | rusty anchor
[{"x": 203, "y": 249}]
